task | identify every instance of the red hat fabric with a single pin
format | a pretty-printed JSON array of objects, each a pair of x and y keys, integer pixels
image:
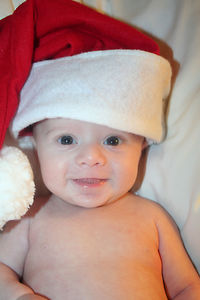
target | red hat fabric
[{"x": 46, "y": 29}]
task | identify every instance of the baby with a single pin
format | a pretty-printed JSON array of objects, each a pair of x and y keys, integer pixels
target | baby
[
  {"x": 91, "y": 114},
  {"x": 92, "y": 238}
]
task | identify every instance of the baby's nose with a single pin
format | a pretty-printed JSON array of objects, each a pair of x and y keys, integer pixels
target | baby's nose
[{"x": 91, "y": 155}]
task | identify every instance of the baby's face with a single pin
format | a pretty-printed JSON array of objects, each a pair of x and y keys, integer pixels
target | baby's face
[{"x": 86, "y": 164}]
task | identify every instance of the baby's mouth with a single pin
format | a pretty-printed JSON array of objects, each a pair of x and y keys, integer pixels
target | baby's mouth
[{"x": 90, "y": 182}]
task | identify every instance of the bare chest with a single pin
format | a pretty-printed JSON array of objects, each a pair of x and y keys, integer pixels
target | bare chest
[{"x": 96, "y": 250}]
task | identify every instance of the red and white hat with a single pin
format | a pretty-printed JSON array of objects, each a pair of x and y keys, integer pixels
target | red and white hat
[{"x": 63, "y": 59}]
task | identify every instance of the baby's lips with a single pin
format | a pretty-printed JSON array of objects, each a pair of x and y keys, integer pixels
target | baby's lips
[{"x": 90, "y": 181}]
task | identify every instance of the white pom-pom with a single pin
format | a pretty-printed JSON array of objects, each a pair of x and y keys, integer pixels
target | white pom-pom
[{"x": 16, "y": 184}]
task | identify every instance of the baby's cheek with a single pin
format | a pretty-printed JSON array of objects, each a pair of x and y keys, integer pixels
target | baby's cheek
[
  {"x": 129, "y": 172},
  {"x": 47, "y": 175},
  {"x": 49, "y": 169}
]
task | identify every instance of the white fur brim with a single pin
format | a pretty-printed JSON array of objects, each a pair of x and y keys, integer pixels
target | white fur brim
[
  {"x": 122, "y": 89},
  {"x": 16, "y": 184}
]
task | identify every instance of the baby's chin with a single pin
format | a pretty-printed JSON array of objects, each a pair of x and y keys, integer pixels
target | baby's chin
[
  {"x": 90, "y": 203},
  {"x": 94, "y": 202}
]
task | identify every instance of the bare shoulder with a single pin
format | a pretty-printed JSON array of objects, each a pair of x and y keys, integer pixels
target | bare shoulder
[
  {"x": 15, "y": 235},
  {"x": 145, "y": 205},
  {"x": 153, "y": 211}
]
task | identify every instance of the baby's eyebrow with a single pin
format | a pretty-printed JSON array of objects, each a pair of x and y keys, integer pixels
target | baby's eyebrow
[
  {"x": 60, "y": 130},
  {"x": 54, "y": 130}
]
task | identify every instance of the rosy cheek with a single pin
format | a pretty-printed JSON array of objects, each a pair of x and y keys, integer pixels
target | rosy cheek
[
  {"x": 48, "y": 167},
  {"x": 47, "y": 174}
]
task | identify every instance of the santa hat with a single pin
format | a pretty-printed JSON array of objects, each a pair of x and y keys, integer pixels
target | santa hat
[{"x": 63, "y": 59}]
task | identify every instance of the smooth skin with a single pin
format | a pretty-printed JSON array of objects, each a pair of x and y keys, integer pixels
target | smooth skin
[{"x": 92, "y": 239}]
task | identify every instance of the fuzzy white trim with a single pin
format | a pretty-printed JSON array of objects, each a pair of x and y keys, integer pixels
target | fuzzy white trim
[
  {"x": 16, "y": 184},
  {"x": 121, "y": 89}
]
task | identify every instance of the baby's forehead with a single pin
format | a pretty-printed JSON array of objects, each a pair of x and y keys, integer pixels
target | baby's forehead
[{"x": 62, "y": 124}]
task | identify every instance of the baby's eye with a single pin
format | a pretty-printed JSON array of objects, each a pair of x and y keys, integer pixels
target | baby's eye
[
  {"x": 66, "y": 140},
  {"x": 112, "y": 141}
]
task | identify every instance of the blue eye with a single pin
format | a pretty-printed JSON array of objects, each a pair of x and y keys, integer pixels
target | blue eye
[
  {"x": 112, "y": 141},
  {"x": 66, "y": 140}
]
